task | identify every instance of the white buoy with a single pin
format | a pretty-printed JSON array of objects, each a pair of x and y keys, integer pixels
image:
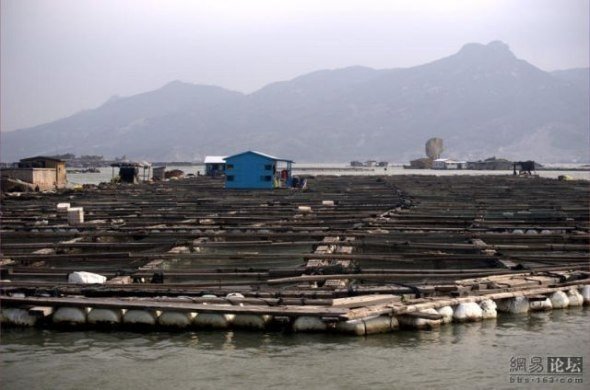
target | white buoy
[
  {"x": 105, "y": 316},
  {"x": 488, "y": 308},
  {"x": 251, "y": 321},
  {"x": 447, "y": 313},
  {"x": 75, "y": 215},
  {"x": 140, "y": 317},
  {"x": 213, "y": 320},
  {"x": 70, "y": 316},
  {"x": 176, "y": 319},
  {"x": 420, "y": 323},
  {"x": 17, "y": 317},
  {"x": 467, "y": 311},
  {"x": 517, "y": 305},
  {"x": 83, "y": 277},
  {"x": 575, "y": 297},
  {"x": 354, "y": 327},
  {"x": 541, "y": 305},
  {"x": 63, "y": 207},
  {"x": 381, "y": 324},
  {"x": 559, "y": 300},
  {"x": 586, "y": 295},
  {"x": 309, "y": 324}
]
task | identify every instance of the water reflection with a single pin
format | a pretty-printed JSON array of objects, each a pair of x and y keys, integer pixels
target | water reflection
[{"x": 458, "y": 355}]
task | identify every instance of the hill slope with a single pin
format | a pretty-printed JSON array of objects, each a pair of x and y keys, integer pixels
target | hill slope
[{"x": 482, "y": 101}]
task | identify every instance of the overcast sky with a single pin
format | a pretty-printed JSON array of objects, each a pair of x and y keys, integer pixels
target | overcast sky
[{"x": 62, "y": 56}]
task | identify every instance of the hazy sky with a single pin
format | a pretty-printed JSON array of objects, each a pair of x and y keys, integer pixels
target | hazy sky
[{"x": 61, "y": 56}]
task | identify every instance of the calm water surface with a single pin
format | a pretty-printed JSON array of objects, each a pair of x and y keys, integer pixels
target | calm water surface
[
  {"x": 454, "y": 357},
  {"x": 106, "y": 174}
]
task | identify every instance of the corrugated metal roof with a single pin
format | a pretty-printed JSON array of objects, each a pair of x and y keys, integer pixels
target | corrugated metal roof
[
  {"x": 215, "y": 159},
  {"x": 261, "y": 154}
]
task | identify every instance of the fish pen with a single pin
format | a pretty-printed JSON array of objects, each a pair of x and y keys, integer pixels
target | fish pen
[{"x": 349, "y": 254}]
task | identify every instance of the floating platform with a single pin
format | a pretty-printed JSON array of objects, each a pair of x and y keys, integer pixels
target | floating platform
[{"x": 358, "y": 254}]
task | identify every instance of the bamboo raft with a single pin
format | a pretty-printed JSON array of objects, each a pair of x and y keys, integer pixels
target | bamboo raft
[{"x": 357, "y": 255}]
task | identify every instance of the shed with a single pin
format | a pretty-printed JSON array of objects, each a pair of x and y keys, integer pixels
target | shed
[
  {"x": 39, "y": 172},
  {"x": 214, "y": 165},
  {"x": 252, "y": 170},
  {"x": 445, "y": 163},
  {"x": 129, "y": 170}
]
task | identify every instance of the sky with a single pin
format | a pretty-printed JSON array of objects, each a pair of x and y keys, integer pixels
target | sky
[{"x": 59, "y": 57}]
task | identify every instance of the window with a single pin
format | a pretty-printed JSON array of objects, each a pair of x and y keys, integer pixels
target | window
[
  {"x": 229, "y": 178},
  {"x": 268, "y": 167},
  {"x": 266, "y": 178},
  {"x": 229, "y": 167}
]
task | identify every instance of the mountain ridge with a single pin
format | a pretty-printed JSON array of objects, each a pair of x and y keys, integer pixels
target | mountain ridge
[{"x": 482, "y": 100}]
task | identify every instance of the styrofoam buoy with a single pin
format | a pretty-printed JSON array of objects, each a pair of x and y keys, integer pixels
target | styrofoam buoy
[
  {"x": 559, "y": 300},
  {"x": 234, "y": 295},
  {"x": 251, "y": 321},
  {"x": 467, "y": 311},
  {"x": 70, "y": 316},
  {"x": 75, "y": 215},
  {"x": 327, "y": 203},
  {"x": 575, "y": 297},
  {"x": 420, "y": 323},
  {"x": 309, "y": 324},
  {"x": 447, "y": 314},
  {"x": 140, "y": 317},
  {"x": 105, "y": 316},
  {"x": 488, "y": 308},
  {"x": 586, "y": 295},
  {"x": 354, "y": 327},
  {"x": 381, "y": 324},
  {"x": 63, "y": 207},
  {"x": 17, "y": 317},
  {"x": 540, "y": 305},
  {"x": 518, "y": 305},
  {"x": 83, "y": 277},
  {"x": 176, "y": 319},
  {"x": 213, "y": 320}
]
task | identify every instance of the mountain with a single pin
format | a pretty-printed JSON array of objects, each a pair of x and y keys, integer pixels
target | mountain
[{"x": 482, "y": 101}]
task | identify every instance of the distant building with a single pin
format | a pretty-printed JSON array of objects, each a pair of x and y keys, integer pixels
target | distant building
[
  {"x": 255, "y": 170},
  {"x": 129, "y": 171},
  {"x": 42, "y": 173},
  {"x": 445, "y": 163},
  {"x": 420, "y": 163},
  {"x": 214, "y": 165}
]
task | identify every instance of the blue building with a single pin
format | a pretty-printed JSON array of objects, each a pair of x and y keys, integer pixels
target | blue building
[{"x": 253, "y": 170}]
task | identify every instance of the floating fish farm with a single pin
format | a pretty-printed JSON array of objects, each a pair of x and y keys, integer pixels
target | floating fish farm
[{"x": 350, "y": 254}]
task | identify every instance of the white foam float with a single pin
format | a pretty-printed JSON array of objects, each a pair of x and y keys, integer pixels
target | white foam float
[
  {"x": 575, "y": 297},
  {"x": 586, "y": 295},
  {"x": 70, "y": 316},
  {"x": 488, "y": 308},
  {"x": 381, "y": 324},
  {"x": 251, "y": 321},
  {"x": 447, "y": 314},
  {"x": 83, "y": 277},
  {"x": 354, "y": 327},
  {"x": 541, "y": 305},
  {"x": 140, "y": 317},
  {"x": 559, "y": 300},
  {"x": 467, "y": 311},
  {"x": 517, "y": 305},
  {"x": 213, "y": 320},
  {"x": 420, "y": 323},
  {"x": 17, "y": 317},
  {"x": 105, "y": 316},
  {"x": 176, "y": 319},
  {"x": 309, "y": 324}
]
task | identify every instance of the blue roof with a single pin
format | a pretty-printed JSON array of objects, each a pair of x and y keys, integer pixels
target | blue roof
[{"x": 260, "y": 154}]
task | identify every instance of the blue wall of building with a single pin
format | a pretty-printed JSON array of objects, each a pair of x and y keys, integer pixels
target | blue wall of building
[{"x": 249, "y": 170}]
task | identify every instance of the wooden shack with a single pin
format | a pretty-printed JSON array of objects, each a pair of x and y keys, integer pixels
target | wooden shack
[{"x": 40, "y": 172}]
